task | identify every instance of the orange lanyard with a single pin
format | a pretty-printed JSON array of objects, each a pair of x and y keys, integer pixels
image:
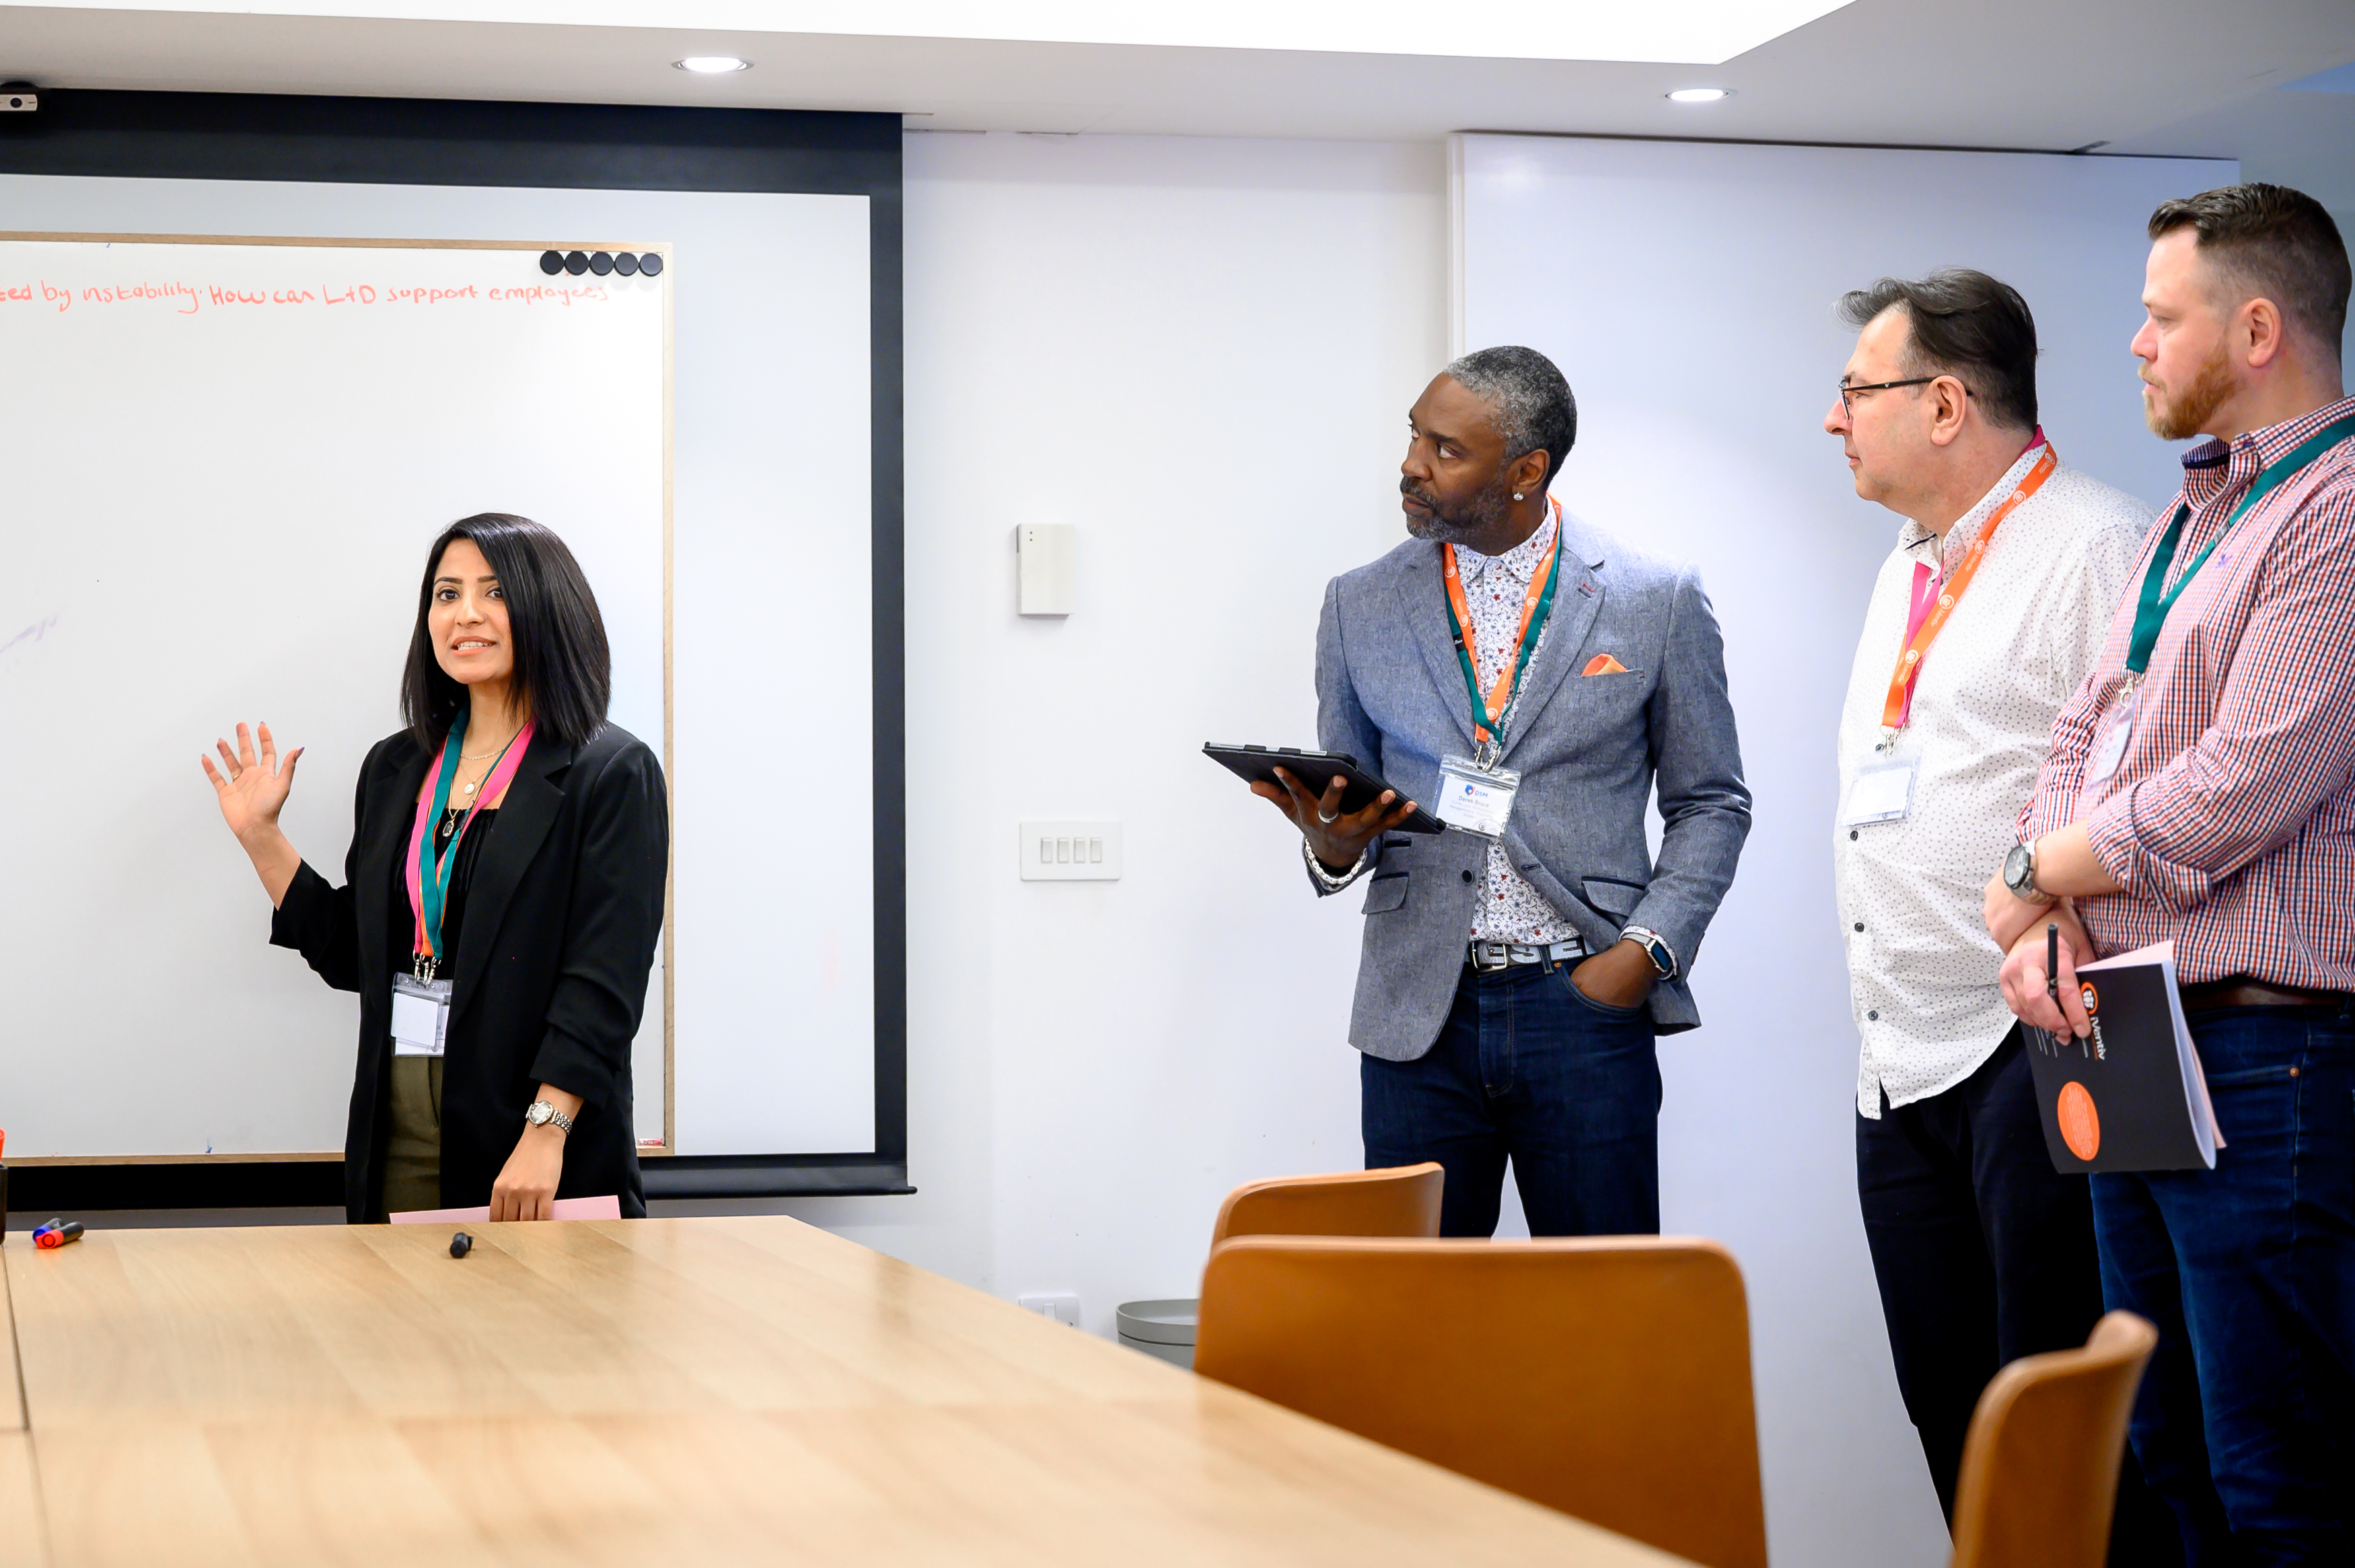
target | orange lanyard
[
  {"x": 1467, "y": 646},
  {"x": 1893, "y": 712}
]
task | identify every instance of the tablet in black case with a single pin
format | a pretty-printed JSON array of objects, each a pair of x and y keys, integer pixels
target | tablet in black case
[{"x": 1315, "y": 770}]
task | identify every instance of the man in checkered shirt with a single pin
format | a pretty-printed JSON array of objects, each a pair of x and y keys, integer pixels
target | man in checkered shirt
[{"x": 2200, "y": 788}]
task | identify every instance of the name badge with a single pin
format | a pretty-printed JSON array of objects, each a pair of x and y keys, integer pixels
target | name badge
[
  {"x": 421, "y": 1015},
  {"x": 1881, "y": 794},
  {"x": 1475, "y": 799},
  {"x": 2110, "y": 745}
]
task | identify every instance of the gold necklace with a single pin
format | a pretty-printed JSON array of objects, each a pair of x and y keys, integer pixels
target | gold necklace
[{"x": 477, "y": 757}]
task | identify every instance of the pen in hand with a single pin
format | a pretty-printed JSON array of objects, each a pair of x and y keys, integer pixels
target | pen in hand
[{"x": 2052, "y": 961}]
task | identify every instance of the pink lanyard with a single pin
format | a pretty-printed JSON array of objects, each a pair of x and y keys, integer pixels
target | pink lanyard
[
  {"x": 428, "y": 808},
  {"x": 1925, "y": 594}
]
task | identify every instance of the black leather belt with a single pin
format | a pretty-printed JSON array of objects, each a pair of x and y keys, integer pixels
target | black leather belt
[{"x": 2239, "y": 990}]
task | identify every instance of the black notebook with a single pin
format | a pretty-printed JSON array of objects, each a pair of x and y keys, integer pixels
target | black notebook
[{"x": 2131, "y": 1096}]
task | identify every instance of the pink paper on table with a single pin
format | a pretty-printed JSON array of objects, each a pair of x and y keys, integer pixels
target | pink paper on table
[{"x": 608, "y": 1207}]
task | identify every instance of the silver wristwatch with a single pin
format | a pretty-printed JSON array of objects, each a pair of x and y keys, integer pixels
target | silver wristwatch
[
  {"x": 1656, "y": 948},
  {"x": 541, "y": 1112},
  {"x": 2019, "y": 874}
]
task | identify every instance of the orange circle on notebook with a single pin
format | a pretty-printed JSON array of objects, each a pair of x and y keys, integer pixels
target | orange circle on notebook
[{"x": 2080, "y": 1129}]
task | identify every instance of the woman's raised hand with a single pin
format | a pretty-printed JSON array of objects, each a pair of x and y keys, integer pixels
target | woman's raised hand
[{"x": 255, "y": 788}]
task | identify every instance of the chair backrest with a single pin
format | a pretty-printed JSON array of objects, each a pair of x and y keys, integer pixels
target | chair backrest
[
  {"x": 2040, "y": 1466},
  {"x": 1400, "y": 1201},
  {"x": 1608, "y": 1377}
]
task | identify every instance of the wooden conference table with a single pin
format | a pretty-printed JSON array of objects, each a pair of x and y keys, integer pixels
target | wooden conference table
[{"x": 653, "y": 1392}]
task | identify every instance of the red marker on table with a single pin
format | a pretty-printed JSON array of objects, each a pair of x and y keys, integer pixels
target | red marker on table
[{"x": 56, "y": 1233}]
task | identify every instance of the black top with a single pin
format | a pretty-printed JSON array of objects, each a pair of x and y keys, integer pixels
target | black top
[
  {"x": 453, "y": 903},
  {"x": 562, "y": 905}
]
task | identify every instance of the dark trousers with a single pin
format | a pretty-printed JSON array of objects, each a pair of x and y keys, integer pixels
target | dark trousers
[
  {"x": 2246, "y": 1419},
  {"x": 1984, "y": 1254},
  {"x": 1528, "y": 1068}
]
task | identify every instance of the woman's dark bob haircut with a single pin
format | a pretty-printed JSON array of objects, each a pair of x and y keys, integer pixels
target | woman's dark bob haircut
[{"x": 563, "y": 667}]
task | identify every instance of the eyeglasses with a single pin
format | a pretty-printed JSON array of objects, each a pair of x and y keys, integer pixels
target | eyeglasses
[{"x": 1847, "y": 409}]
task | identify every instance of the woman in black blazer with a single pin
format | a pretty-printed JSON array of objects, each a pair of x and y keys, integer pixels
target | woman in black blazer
[{"x": 554, "y": 894}]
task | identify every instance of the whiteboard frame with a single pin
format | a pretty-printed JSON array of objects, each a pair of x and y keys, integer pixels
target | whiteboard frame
[
  {"x": 108, "y": 135},
  {"x": 670, "y": 971}
]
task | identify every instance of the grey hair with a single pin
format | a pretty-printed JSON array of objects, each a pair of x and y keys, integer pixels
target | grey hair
[{"x": 1534, "y": 409}]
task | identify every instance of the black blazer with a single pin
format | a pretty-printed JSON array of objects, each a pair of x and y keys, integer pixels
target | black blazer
[{"x": 549, "y": 976}]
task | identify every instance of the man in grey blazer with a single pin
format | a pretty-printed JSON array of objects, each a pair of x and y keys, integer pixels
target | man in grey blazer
[{"x": 1511, "y": 987}]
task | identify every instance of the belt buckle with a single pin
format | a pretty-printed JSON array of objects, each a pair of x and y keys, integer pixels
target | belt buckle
[{"x": 1487, "y": 956}]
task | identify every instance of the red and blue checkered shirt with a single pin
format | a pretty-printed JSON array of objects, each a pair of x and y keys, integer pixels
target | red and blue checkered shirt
[{"x": 2230, "y": 822}]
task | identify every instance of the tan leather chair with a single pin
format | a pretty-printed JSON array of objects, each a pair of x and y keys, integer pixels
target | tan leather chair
[
  {"x": 1400, "y": 1202},
  {"x": 2040, "y": 1466},
  {"x": 1608, "y": 1377}
]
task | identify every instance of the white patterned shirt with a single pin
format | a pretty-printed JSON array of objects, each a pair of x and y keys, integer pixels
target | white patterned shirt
[
  {"x": 1494, "y": 587},
  {"x": 1922, "y": 969}
]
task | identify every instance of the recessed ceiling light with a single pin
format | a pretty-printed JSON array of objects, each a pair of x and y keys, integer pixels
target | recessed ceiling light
[
  {"x": 1699, "y": 94},
  {"x": 712, "y": 65}
]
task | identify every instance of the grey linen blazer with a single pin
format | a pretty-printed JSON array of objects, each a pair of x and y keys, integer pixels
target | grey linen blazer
[{"x": 1588, "y": 749}]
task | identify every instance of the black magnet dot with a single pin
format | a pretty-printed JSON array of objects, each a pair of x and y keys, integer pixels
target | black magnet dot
[
  {"x": 601, "y": 262},
  {"x": 625, "y": 264},
  {"x": 1467, "y": 876},
  {"x": 651, "y": 264},
  {"x": 575, "y": 263},
  {"x": 552, "y": 262}
]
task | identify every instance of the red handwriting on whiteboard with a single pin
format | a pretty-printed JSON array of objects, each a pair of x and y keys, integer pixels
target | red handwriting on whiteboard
[
  {"x": 186, "y": 299},
  {"x": 182, "y": 296},
  {"x": 548, "y": 293}
]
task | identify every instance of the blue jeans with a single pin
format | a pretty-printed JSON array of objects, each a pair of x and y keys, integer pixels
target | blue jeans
[
  {"x": 2245, "y": 1423},
  {"x": 1528, "y": 1068}
]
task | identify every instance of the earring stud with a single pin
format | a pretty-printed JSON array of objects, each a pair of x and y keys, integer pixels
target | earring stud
[{"x": 1518, "y": 496}]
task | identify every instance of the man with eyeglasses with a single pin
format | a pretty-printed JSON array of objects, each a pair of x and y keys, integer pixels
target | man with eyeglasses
[{"x": 1984, "y": 620}]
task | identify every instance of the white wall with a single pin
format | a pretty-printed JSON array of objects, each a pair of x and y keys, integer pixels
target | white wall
[{"x": 1200, "y": 352}]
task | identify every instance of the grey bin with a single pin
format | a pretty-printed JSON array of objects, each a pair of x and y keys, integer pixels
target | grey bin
[{"x": 1164, "y": 1329}]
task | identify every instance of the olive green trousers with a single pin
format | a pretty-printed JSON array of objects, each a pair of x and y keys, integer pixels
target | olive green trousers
[{"x": 413, "y": 1154}]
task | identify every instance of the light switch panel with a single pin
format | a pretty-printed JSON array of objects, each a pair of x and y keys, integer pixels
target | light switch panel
[
  {"x": 1060, "y": 1305},
  {"x": 1044, "y": 567},
  {"x": 1071, "y": 851}
]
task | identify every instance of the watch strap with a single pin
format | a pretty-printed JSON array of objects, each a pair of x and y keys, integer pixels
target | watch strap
[{"x": 1656, "y": 947}]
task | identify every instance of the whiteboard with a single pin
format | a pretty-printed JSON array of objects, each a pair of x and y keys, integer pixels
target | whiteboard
[
  {"x": 401, "y": 431},
  {"x": 232, "y": 459},
  {"x": 1686, "y": 292}
]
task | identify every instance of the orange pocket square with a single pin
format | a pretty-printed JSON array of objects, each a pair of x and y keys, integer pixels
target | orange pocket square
[{"x": 1604, "y": 665}]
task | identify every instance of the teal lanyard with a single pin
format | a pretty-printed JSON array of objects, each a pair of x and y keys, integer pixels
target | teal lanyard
[
  {"x": 1521, "y": 663},
  {"x": 2151, "y": 606},
  {"x": 433, "y": 872}
]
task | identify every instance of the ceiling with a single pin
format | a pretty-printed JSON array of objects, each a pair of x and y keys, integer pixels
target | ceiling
[{"x": 2186, "y": 77}]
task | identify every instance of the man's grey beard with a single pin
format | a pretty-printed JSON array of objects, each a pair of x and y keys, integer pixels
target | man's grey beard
[
  {"x": 2197, "y": 404},
  {"x": 1482, "y": 513}
]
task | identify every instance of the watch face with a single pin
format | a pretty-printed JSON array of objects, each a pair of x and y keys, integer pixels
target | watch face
[
  {"x": 539, "y": 1112},
  {"x": 2016, "y": 867}
]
